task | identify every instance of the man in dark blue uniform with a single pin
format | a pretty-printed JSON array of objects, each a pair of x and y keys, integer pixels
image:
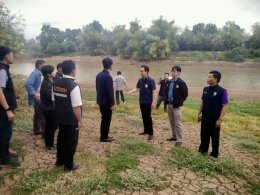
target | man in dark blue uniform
[
  {"x": 146, "y": 87},
  {"x": 68, "y": 107},
  {"x": 212, "y": 110},
  {"x": 105, "y": 99},
  {"x": 7, "y": 107},
  {"x": 162, "y": 92}
]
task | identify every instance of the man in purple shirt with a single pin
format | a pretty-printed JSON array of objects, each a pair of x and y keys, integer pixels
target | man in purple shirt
[{"x": 212, "y": 111}]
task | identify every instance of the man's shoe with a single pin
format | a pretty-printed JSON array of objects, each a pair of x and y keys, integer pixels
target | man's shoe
[
  {"x": 150, "y": 137},
  {"x": 171, "y": 139},
  {"x": 178, "y": 144},
  {"x": 213, "y": 155},
  {"x": 143, "y": 133},
  {"x": 73, "y": 168},
  {"x": 109, "y": 139},
  {"x": 9, "y": 164},
  {"x": 51, "y": 148}
]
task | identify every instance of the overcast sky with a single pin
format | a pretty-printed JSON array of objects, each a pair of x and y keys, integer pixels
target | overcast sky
[{"x": 77, "y": 13}]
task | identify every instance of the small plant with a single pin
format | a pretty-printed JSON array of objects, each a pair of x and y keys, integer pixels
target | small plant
[
  {"x": 183, "y": 157},
  {"x": 210, "y": 192},
  {"x": 36, "y": 180},
  {"x": 132, "y": 145},
  {"x": 139, "y": 180}
]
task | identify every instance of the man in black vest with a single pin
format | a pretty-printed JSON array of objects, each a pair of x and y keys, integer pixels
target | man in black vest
[
  {"x": 7, "y": 107},
  {"x": 212, "y": 110},
  {"x": 105, "y": 99},
  {"x": 176, "y": 95},
  {"x": 68, "y": 106}
]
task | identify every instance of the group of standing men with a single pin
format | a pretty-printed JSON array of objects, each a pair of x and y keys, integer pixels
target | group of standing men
[
  {"x": 58, "y": 97},
  {"x": 173, "y": 92}
]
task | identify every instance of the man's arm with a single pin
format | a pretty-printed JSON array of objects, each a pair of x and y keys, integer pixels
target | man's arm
[
  {"x": 29, "y": 85},
  {"x": 222, "y": 114},
  {"x": 77, "y": 113},
  {"x": 4, "y": 104},
  {"x": 200, "y": 112}
]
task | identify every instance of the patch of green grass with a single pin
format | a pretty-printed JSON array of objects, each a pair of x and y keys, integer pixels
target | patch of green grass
[
  {"x": 245, "y": 108},
  {"x": 210, "y": 192},
  {"x": 96, "y": 185},
  {"x": 194, "y": 56},
  {"x": 185, "y": 158},
  {"x": 120, "y": 162},
  {"x": 250, "y": 146},
  {"x": 135, "y": 146},
  {"x": 139, "y": 180},
  {"x": 254, "y": 188},
  {"x": 36, "y": 180}
]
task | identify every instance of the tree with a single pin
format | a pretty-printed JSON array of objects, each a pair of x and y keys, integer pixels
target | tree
[
  {"x": 233, "y": 36},
  {"x": 12, "y": 28},
  {"x": 91, "y": 38},
  {"x": 134, "y": 26},
  {"x": 254, "y": 40}
]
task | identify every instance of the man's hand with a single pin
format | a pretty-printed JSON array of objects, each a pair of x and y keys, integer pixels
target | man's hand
[
  {"x": 199, "y": 117},
  {"x": 10, "y": 115},
  {"x": 218, "y": 123},
  {"x": 80, "y": 126},
  {"x": 37, "y": 98},
  {"x": 113, "y": 107}
]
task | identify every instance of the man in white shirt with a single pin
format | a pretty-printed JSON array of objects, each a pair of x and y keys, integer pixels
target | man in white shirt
[
  {"x": 120, "y": 82},
  {"x": 68, "y": 107}
]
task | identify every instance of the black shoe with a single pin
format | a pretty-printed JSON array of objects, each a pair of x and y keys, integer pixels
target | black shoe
[
  {"x": 109, "y": 139},
  {"x": 171, "y": 139},
  {"x": 178, "y": 144},
  {"x": 213, "y": 155},
  {"x": 143, "y": 133},
  {"x": 51, "y": 147},
  {"x": 9, "y": 164},
  {"x": 73, "y": 168},
  {"x": 150, "y": 137}
]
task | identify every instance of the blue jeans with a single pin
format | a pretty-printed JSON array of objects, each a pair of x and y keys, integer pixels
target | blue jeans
[{"x": 6, "y": 131}]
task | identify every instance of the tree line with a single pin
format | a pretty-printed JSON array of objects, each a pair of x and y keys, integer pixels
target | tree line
[{"x": 156, "y": 42}]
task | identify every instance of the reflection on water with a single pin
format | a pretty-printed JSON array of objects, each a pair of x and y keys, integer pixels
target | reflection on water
[{"x": 233, "y": 77}]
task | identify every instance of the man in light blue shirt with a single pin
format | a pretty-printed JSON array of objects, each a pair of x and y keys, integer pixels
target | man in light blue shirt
[{"x": 32, "y": 86}]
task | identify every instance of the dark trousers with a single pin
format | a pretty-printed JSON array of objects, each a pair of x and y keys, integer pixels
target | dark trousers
[
  {"x": 67, "y": 144},
  {"x": 50, "y": 127},
  {"x": 117, "y": 97},
  {"x": 38, "y": 120},
  {"x": 6, "y": 130},
  {"x": 208, "y": 130},
  {"x": 146, "y": 110},
  {"x": 159, "y": 101},
  {"x": 106, "y": 115}
]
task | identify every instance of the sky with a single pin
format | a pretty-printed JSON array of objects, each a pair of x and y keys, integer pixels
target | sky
[{"x": 77, "y": 13}]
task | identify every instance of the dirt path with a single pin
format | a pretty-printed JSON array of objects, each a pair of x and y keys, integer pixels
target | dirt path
[{"x": 179, "y": 181}]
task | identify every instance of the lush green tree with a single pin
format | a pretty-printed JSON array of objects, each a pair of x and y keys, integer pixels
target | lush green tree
[
  {"x": 135, "y": 26},
  {"x": 165, "y": 30},
  {"x": 12, "y": 28},
  {"x": 254, "y": 40},
  {"x": 233, "y": 36},
  {"x": 91, "y": 38}
]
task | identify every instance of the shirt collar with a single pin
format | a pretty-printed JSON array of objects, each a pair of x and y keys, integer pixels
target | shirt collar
[
  {"x": 68, "y": 77},
  {"x": 175, "y": 79}
]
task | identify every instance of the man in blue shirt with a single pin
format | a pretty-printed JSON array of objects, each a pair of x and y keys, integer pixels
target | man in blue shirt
[
  {"x": 146, "y": 87},
  {"x": 105, "y": 99},
  {"x": 176, "y": 95},
  {"x": 33, "y": 88}
]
